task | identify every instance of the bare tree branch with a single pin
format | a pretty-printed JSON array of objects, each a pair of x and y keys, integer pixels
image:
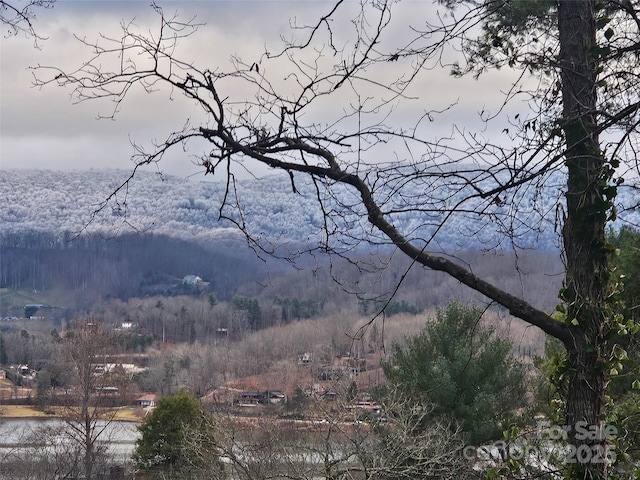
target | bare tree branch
[{"x": 19, "y": 17}]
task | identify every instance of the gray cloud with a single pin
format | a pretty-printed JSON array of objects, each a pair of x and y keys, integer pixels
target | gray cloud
[{"x": 44, "y": 129}]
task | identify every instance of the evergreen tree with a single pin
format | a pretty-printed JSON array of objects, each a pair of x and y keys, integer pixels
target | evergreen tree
[
  {"x": 463, "y": 370},
  {"x": 43, "y": 396},
  {"x": 175, "y": 440},
  {"x": 4, "y": 359},
  {"x": 624, "y": 388},
  {"x": 627, "y": 263}
]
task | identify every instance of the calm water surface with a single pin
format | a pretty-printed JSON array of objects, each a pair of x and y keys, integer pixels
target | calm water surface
[{"x": 15, "y": 433}]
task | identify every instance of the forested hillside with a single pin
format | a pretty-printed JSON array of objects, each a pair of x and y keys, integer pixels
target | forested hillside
[
  {"x": 80, "y": 275},
  {"x": 125, "y": 266},
  {"x": 66, "y": 204},
  {"x": 167, "y": 229}
]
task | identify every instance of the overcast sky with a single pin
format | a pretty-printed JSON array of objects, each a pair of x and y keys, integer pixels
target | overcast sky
[{"x": 42, "y": 129}]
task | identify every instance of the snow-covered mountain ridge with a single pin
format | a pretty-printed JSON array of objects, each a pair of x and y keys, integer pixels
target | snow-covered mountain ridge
[
  {"x": 76, "y": 202},
  {"x": 59, "y": 202}
]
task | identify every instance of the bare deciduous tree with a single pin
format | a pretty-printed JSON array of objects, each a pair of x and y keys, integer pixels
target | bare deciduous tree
[
  {"x": 18, "y": 17},
  {"x": 336, "y": 445},
  {"x": 335, "y": 118},
  {"x": 94, "y": 394}
]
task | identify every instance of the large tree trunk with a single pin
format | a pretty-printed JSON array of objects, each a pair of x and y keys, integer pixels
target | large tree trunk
[{"x": 587, "y": 276}]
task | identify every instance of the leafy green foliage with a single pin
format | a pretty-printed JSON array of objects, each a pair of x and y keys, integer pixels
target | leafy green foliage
[
  {"x": 401, "y": 307},
  {"x": 4, "y": 358},
  {"x": 390, "y": 307},
  {"x": 627, "y": 263},
  {"x": 297, "y": 403},
  {"x": 43, "y": 389},
  {"x": 551, "y": 384},
  {"x": 175, "y": 438},
  {"x": 297, "y": 308},
  {"x": 252, "y": 307},
  {"x": 132, "y": 341},
  {"x": 622, "y": 362},
  {"x": 464, "y": 370},
  {"x": 624, "y": 387},
  {"x": 508, "y": 25}
]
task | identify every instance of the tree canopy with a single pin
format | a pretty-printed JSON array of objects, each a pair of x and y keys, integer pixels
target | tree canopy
[
  {"x": 175, "y": 438},
  {"x": 461, "y": 368},
  {"x": 627, "y": 262}
]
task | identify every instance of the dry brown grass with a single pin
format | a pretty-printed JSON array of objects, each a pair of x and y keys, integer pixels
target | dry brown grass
[
  {"x": 130, "y": 414},
  {"x": 125, "y": 414},
  {"x": 20, "y": 411}
]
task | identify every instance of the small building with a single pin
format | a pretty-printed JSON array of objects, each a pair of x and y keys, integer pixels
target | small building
[
  {"x": 192, "y": 280},
  {"x": 305, "y": 359},
  {"x": 149, "y": 400},
  {"x": 106, "y": 390},
  {"x": 222, "y": 332},
  {"x": 252, "y": 398},
  {"x": 275, "y": 396},
  {"x": 367, "y": 406},
  {"x": 23, "y": 370}
]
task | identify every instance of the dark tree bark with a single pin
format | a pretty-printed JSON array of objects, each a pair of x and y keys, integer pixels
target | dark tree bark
[{"x": 585, "y": 246}]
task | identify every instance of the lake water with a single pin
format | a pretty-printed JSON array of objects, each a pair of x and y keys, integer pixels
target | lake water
[{"x": 15, "y": 433}]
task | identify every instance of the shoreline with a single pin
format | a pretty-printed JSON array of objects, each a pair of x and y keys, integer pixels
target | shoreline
[{"x": 30, "y": 412}]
